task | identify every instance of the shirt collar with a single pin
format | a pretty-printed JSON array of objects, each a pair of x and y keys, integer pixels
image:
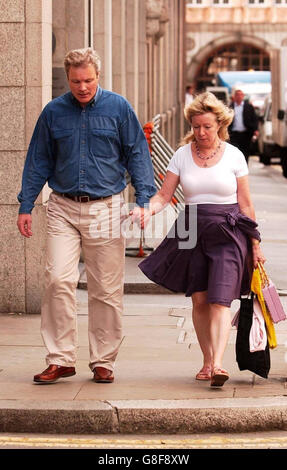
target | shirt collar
[{"x": 92, "y": 102}]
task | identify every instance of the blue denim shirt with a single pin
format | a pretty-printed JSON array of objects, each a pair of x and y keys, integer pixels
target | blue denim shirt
[{"x": 87, "y": 150}]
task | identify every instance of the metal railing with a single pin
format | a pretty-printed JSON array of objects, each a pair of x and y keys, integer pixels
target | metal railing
[{"x": 161, "y": 153}]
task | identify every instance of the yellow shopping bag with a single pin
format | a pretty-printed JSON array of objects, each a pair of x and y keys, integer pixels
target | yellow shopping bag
[{"x": 257, "y": 289}]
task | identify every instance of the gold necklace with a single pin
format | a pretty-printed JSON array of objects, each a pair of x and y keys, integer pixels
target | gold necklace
[{"x": 202, "y": 157}]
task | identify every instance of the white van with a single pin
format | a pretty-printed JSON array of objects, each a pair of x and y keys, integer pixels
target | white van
[
  {"x": 221, "y": 92},
  {"x": 267, "y": 148}
]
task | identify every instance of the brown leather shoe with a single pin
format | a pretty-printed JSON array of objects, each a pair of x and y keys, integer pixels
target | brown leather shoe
[
  {"x": 53, "y": 373},
  {"x": 103, "y": 375}
]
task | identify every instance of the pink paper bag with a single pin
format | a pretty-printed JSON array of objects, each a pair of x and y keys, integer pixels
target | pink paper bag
[
  {"x": 271, "y": 297},
  {"x": 273, "y": 302}
]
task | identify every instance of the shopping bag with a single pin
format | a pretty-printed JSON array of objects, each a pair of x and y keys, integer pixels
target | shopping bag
[
  {"x": 258, "y": 335},
  {"x": 271, "y": 296},
  {"x": 256, "y": 288},
  {"x": 258, "y": 361}
]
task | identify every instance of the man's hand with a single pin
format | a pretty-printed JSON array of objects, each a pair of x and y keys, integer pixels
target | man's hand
[
  {"x": 141, "y": 216},
  {"x": 24, "y": 224}
]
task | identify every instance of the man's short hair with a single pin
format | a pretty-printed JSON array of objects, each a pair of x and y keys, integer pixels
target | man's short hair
[{"x": 82, "y": 57}]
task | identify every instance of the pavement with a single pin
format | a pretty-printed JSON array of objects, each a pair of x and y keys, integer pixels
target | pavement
[{"x": 155, "y": 391}]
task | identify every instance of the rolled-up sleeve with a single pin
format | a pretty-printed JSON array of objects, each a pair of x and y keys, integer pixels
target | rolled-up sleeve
[
  {"x": 38, "y": 166},
  {"x": 137, "y": 158}
]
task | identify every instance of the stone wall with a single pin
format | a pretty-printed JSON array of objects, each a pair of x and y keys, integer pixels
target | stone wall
[
  {"x": 70, "y": 31},
  {"x": 165, "y": 30},
  {"x": 25, "y": 86}
]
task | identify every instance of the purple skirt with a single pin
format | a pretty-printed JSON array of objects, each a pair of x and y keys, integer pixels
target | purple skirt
[{"x": 207, "y": 249}]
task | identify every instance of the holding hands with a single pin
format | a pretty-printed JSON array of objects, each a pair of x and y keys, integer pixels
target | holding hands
[{"x": 141, "y": 216}]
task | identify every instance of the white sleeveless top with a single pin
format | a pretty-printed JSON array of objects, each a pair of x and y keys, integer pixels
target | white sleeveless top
[{"x": 212, "y": 185}]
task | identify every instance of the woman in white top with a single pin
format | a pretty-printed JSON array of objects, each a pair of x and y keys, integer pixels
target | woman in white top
[{"x": 217, "y": 268}]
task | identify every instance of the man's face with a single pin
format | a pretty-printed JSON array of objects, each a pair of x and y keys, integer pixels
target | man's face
[
  {"x": 83, "y": 82},
  {"x": 238, "y": 96}
]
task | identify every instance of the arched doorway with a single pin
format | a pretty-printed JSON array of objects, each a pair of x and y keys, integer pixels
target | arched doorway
[
  {"x": 229, "y": 56},
  {"x": 233, "y": 56}
]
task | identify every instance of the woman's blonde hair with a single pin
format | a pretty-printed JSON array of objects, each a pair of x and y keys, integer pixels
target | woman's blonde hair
[{"x": 208, "y": 103}]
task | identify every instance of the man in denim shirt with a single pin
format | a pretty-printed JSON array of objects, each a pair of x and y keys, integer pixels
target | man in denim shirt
[{"x": 82, "y": 145}]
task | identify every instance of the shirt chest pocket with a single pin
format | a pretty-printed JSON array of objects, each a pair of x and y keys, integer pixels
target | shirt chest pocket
[
  {"x": 104, "y": 142},
  {"x": 63, "y": 140},
  {"x": 59, "y": 134}
]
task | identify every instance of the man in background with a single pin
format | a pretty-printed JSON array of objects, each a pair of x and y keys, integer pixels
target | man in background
[{"x": 244, "y": 124}]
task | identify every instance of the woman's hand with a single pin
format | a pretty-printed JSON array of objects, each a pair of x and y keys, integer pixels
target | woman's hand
[{"x": 258, "y": 256}]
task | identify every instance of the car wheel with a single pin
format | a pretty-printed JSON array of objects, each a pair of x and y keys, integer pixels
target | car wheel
[{"x": 265, "y": 159}]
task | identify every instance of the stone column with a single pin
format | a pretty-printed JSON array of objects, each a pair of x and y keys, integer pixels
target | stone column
[
  {"x": 132, "y": 35},
  {"x": 100, "y": 45},
  {"x": 119, "y": 47},
  {"x": 119, "y": 38},
  {"x": 25, "y": 87},
  {"x": 165, "y": 47},
  {"x": 71, "y": 23}
]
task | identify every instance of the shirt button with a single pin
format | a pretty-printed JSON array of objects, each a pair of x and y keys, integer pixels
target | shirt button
[{"x": 83, "y": 126}]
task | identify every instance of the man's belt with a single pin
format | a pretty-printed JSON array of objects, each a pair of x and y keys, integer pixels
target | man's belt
[{"x": 85, "y": 198}]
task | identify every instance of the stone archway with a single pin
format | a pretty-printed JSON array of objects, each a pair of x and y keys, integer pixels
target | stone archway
[{"x": 209, "y": 50}]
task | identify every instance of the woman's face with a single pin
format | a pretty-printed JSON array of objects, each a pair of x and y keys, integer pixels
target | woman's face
[{"x": 205, "y": 129}]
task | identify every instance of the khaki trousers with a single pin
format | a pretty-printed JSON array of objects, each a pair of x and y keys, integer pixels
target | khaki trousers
[{"x": 95, "y": 227}]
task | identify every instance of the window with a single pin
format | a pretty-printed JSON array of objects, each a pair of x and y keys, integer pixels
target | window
[
  {"x": 205, "y": 3},
  {"x": 195, "y": 3},
  {"x": 255, "y": 3},
  {"x": 280, "y": 3},
  {"x": 235, "y": 56},
  {"x": 221, "y": 2}
]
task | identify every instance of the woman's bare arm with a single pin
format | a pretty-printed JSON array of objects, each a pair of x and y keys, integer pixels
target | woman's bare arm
[
  {"x": 158, "y": 202},
  {"x": 163, "y": 197},
  {"x": 247, "y": 208}
]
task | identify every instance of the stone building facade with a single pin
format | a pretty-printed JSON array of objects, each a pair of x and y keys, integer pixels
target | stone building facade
[
  {"x": 25, "y": 87},
  {"x": 232, "y": 35},
  {"x": 141, "y": 43}
]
